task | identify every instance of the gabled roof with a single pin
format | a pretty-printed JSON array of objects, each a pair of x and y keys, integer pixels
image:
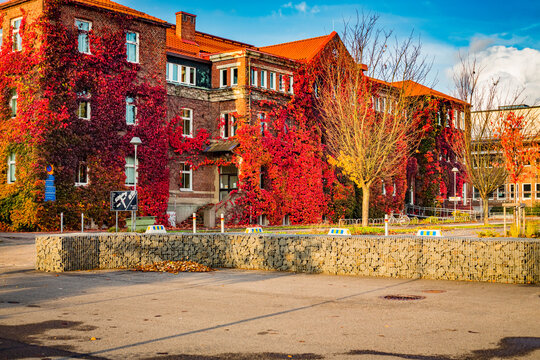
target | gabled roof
[
  {"x": 301, "y": 50},
  {"x": 103, "y": 4},
  {"x": 204, "y": 44},
  {"x": 412, "y": 88}
]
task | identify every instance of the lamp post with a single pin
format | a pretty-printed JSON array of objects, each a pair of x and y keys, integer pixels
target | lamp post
[
  {"x": 135, "y": 141},
  {"x": 455, "y": 170}
]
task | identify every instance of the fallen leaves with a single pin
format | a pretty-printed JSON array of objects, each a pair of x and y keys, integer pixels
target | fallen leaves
[{"x": 173, "y": 267}]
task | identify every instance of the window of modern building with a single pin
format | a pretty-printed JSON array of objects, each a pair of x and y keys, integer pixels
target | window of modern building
[
  {"x": 81, "y": 174},
  {"x": 186, "y": 175},
  {"x": 263, "y": 79},
  {"x": 13, "y": 103},
  {"x": 16, "y": 33},
  {"x": 501, "y": 192},
  {"x": 130, "y": 171},
  {"x": 273, "y": 81},
  {"x": 234, "y": 76},
  {"x": 187, "y": 122},
  {"x": 223, "y": 78},
  {"x": 83, "y": 27},
  {"x": 253, "y": 77},
  {"x": 228, "y": 180},
  {"x": 131, "y": 111},
  {"x": 281, "y": 83},
  {"x": 132, "y": 47},
  {"x": 527, "y": 191},
  {"x": 511, "y": 192},
  {"x": 12, "y": 168}
]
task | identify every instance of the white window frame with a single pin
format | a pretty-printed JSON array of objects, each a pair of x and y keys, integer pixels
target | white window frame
[
  {"x": 135, "y": 170},
  {"x": 189, "y": 119},
  {"x": 455, "y": 119},
  {"x": 16, "y": 34},
  {"x": 14, "y": 100},
  {"x": 499, "y": 192},
  {"x": 253, "y": 77},
  {"x": 262, "y": 121},
  {"x": 88, "y": 109},
  {"x": 222, "y": 78},
  {"x": 79, "y": 31},
  {"x": 12, "y": 168},
  {"x": 383, "y": 188},
  {"x": 264, "y": 79},
  {"x": 189, "y": 172},
  {"x": 273, "y": 85},
  {"x": 474, "y": 196},
  {"x": 463, "y": 120},
  {"x": 134, "y": 105},
  {"x": 291, "y": 85},
  {"x": 525, "y": 197},
  {"x": 281, "y": 83},
  {"x": 234, "y": 82},
  {"x": 227, "y": 123},
  {"x": 511, "y": 192},
  {"x": 178, "y": 71},
  {"x": 135, "y": 43},
  {"x": 78, "y": 181}
]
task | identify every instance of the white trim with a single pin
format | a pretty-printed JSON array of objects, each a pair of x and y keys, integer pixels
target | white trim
[
  {"x": 227, "y": 124},
  {"x": 264, "y": 84},
  {"x": 253, "y": 75},
  {"x": 223, "y": 76},
  {"x": 16, "y": 97},
  {"x": 78, "y": 175},
  {"x": 272, "y": 83},
  {"x": 190, "y": 118},
  {"x": 126, "y": 166},
  {"x": 88, "y": 109},
  {"x": 89, "y": 52},
  {"x": 134, "y": 105},
  {"x": 16, "y": 32},
  {"x": 234, "y": 83},
  {"x": 12, "y": 168},
  {"x": 523, "y": 191},
  {"x": 219, "y": 67},
  {"x": 136, "y": 43},
  {"x": 190, "y": 172}
]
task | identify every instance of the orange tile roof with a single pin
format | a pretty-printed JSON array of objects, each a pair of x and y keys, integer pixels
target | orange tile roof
[
  {"x": 301, "y": 50},
  {"x": 204, "y": 44},
  {"x": 415, "y": 89}
]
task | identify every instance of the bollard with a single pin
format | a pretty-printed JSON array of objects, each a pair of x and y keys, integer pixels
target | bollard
[
  {"x": 194, "y": 223},
  {"x": 116, "y": 224},
  {"x": 386, "y": 225},
  {"x": 82, "y": 222},
  {"x": 61, "y": 222},
  {"x": 222, "y": 223}
]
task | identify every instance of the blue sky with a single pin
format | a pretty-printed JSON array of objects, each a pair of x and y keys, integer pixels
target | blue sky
[{"x": 495, "y": 29}]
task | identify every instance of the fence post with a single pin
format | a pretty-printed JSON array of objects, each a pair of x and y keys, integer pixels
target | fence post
[
  {"x": 82, "y": 222},
  {"x": 194, "y": 223},
  {"x": 222, "y": 223}
]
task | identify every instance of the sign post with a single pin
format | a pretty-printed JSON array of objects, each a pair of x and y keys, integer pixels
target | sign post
[{"x": 124, "y": 201}]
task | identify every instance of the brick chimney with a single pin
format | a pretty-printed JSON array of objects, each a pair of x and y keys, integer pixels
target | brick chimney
[{"x": 185, "y": 26}]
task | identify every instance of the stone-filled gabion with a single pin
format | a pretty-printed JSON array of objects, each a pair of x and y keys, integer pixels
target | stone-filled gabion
[{"x": 494, "y": 260}]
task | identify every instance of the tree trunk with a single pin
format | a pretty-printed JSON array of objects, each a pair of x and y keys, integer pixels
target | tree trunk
[
  {"x": 485, "y": 208},
  {"x": 365, "y": 205}
]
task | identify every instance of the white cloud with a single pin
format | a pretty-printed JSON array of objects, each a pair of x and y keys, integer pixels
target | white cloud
[
  {"x": 302, "y": 7},
  {"x": 516, "y": 70}
]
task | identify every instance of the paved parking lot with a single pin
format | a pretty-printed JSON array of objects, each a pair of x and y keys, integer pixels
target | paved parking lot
[{"x": 237, "y": 314}]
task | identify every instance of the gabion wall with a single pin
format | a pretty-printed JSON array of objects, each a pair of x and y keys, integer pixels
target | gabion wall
[{"x": 493, "y": 260}]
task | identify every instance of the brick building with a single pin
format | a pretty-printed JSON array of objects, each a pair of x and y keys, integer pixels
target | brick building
[{"x": 208, "y": 81}]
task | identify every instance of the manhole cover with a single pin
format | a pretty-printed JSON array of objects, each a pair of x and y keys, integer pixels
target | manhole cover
[
  {"x": 434, "y": 291},
  {"x": 403, "y": 297}
]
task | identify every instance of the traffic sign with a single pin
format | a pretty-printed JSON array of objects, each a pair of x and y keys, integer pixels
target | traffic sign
[{"x": 124, "y": 201}]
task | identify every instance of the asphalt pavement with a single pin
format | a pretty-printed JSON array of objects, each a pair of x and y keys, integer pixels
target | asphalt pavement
[{"x": 239, "y": 314}]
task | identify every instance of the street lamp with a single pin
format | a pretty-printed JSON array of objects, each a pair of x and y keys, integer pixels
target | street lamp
[
  {"x": 455, "y": 170},
  {"x": 135, "y": 141}
]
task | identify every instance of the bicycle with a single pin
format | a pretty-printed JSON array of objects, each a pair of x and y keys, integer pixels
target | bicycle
[{"x": 401, "y": 220}]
